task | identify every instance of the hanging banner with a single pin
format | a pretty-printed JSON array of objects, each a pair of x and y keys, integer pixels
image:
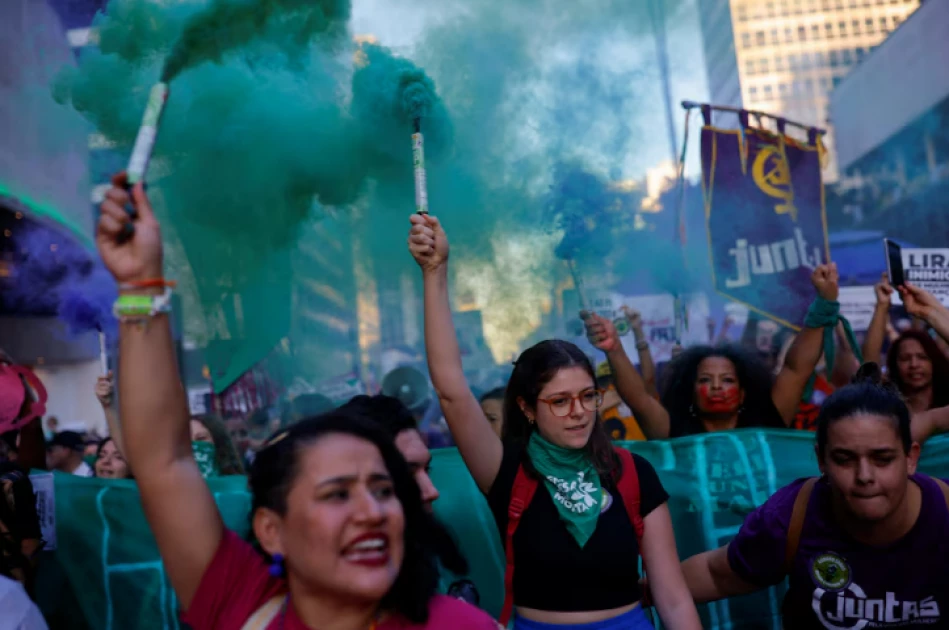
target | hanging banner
[
  {"x": 764, "y": 212},
  {"x": 112, "y": 577}
]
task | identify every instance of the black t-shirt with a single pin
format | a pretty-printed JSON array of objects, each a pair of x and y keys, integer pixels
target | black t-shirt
[{"x": 551, "y": 571}]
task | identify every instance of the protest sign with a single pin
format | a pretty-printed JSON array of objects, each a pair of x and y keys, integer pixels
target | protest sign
[
  {"x": 857, "y": 305},
  {"x": 929, "y": 270},
  {"x": 659, "y": 325}
]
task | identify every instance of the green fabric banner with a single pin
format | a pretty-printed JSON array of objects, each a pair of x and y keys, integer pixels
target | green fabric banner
[{"x": 106, "y": 574}]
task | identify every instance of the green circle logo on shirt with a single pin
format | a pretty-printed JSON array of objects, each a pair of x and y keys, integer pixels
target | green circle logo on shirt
[
  {"x": 831, "y": 572},
  {"x": 606, "y": 500}
]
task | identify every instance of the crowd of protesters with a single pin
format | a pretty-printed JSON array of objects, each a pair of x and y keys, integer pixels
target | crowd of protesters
[{"x": 344, "y": 533}]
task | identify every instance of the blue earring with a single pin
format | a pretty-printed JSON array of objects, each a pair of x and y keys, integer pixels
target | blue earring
[{"x": 276, "y": 565}]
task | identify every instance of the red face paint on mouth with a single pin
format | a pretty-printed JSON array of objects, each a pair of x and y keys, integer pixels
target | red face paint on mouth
[{"x": 723, "y": 400}]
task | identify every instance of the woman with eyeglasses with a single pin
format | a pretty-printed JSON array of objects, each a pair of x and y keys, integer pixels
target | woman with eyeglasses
[{"x": 575, "y": 542}]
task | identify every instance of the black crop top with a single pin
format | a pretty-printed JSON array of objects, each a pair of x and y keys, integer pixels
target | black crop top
[{"x": 551, "y": 571}]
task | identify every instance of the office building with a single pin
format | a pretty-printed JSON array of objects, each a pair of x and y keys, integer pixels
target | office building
[
  {"x": 791, "y": 54},
  {"x": 721, "y": 61},
  {"x": 893, "y": 147}
]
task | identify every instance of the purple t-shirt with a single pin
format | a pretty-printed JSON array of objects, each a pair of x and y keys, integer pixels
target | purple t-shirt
[{"x": 838, "y": 583}]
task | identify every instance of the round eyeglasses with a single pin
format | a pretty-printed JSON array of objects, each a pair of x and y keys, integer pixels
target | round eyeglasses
[{"x": 562, "y": 404}]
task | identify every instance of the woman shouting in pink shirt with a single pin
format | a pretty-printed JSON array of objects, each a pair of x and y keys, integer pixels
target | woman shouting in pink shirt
[{"x": 336, "y": 511}]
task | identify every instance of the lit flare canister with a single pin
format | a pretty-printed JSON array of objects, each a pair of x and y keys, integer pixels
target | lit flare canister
[
  {"x": 578, "y": 283},
  {"x": 103, "y": 354},
  {"x": 418, "y": 163},
  {"x": 147, "y": 133}
]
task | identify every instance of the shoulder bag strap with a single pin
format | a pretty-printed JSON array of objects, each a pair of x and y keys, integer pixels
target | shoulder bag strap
[
  {"x": 798, "y": 514},
  {"x": 265, "y": 614},
  {"x": 521, "y": 495}
]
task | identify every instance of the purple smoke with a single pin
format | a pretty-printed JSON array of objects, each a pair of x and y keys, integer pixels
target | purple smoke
[
  {"x": 56, "y": 275},
  {"x": 86, "y": 303}
]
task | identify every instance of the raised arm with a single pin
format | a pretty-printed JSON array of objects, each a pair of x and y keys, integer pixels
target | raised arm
[
  {"x": 105, "y": 390},
  {"x": 804, "y": 354},
  {"x": 153, "y": 407},
  {"x": 846, "y": 363},
  {"x": 652, "y": 417},
  {"x": 873, "y": 344},
  {"x": 646, "y": 364},
  {"x": 477, "y": 442},
  {"x": 924, "y": 305},
  {"x": 711, "y": 578}
]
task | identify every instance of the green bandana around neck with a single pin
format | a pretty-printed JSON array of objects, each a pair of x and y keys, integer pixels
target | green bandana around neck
[
  {"x": 573, "y": 483},
  {"x": 205, "y": 454}
]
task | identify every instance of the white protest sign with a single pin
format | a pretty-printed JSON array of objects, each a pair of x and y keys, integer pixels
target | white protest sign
[
  {"x": 928, "y": 269},
  {"x": 659, "y": 325},
  {"x": 737, "y": 314},
  {"x": 857, "y": 305},
  {"x": 44, "y": 488},
  {"x": 197, "y": 399}
]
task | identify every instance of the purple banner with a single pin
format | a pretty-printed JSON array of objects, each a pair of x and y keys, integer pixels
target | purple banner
[{"x": 764, "y": 212}]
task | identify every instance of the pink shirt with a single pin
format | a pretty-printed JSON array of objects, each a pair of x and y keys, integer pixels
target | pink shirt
[{"x": 238, "y": 582}]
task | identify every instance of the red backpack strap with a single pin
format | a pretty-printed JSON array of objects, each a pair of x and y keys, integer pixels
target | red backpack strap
[
  {"x": 521, "y": 495},
  {"x": 628, "y": 487}
]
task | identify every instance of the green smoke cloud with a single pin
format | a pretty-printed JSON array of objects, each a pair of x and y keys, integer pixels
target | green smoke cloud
[{"x": 275, "y": 115}]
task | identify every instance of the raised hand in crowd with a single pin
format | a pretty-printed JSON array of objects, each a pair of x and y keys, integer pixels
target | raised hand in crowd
[
  {"x": 921, "y": 304},
  {"x": 105, "y": 393},
  {"x": 883, "y": 291},
  {"x": 428, "y": 243},
  {"x": 477, "y": 442},
  {"x": 104, "y": 390},
  {"x": 880, "y": 322},
  {"x": 805, "y": 351},
  {"x": 826, "y": 280},
  {"x": 646, "y": 365},
  {"x": 153, "y": 408},
  {"x": 130, "y": 247},
  {"x": 631, "y": 386}
]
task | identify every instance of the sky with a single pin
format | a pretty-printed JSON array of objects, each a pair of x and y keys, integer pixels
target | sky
[{"x": 400, "y": 24}]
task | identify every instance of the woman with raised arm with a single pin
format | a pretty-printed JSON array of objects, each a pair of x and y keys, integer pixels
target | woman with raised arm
[
  {"x": 716, "y": 389},
  {"x": 932, "y": 419},
  {"x": 335, "y": 510},
  {"x": 914, "y": 362},
  {"x": 863, "y": 545},
  {"x": 577, "y": 541}
]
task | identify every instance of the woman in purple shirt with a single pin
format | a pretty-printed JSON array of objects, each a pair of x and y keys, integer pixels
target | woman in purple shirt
[{"x": 863, "y": 546}]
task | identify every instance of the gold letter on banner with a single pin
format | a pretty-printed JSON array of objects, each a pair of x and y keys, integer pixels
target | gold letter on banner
[{"x": 772, "y": 175}]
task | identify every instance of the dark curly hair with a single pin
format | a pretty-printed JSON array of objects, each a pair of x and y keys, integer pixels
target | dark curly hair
[
  {"x": 868, "y": 394},
  {"x": 534, "y": 369},
  {"x": 940, "y": 384},
  {"x": 275, "y": 469},
  {"x": 754, "y": 378}
]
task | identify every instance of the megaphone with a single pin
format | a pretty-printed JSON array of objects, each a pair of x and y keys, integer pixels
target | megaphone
[{"x": 408, "y": 385}]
